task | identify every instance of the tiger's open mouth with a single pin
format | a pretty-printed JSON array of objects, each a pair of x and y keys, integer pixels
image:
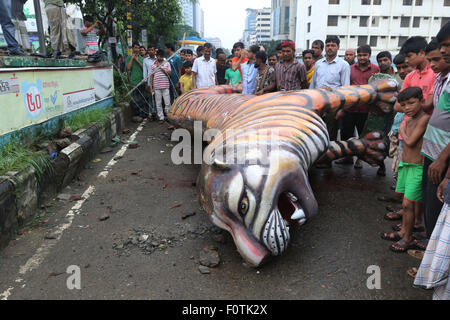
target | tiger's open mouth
[{"x": 290, "y": 209}]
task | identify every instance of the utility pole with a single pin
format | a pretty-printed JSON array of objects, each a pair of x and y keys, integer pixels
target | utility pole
[
  {"x": 40, "y": 28},
  {"x": 129, "y": 28}
]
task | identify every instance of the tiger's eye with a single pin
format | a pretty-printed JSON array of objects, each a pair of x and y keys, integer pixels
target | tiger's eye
[{"x": 243, "y": 206}]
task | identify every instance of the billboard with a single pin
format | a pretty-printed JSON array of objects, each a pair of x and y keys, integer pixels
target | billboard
[{"x": 32, "y": 96}]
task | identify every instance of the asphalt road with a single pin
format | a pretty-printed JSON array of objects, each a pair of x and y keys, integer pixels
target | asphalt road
[{"x": 328, "y": 257}]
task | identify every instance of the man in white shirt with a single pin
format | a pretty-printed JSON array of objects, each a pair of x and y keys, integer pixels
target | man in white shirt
[{"x": 205, "y": 69}]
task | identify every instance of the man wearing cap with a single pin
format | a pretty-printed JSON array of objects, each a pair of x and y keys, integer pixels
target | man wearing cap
[{"x": 290, "y": 74}]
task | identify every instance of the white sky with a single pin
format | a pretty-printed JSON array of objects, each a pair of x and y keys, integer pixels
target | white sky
[{"x": 226, "y": 19}]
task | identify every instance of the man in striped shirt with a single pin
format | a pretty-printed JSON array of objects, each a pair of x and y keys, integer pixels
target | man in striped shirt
[{"x": 160, "y": 84}]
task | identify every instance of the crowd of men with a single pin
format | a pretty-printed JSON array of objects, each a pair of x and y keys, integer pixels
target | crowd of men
[{"x": 417, "y": 131}]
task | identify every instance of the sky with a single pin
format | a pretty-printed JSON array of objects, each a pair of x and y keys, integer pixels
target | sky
[{"x": 226, "y": 19}]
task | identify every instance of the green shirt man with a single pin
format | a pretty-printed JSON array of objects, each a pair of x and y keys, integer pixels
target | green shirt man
[{"x": 136, "y": 73}]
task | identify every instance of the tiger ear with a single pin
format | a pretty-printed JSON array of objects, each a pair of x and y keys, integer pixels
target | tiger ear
[{"x": 220, "y": 165}]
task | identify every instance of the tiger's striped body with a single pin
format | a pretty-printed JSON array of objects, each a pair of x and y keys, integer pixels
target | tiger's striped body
[{"x": 257, "y": 201}]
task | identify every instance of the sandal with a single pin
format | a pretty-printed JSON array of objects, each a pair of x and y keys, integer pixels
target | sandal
[
  {"x": 401, "y": 246},
  {"x": 418, "y": 254},
  {"x": 417, "y": 230},
  {"x": 393, "y": 236},
  {"x": 419, "y": 234},
  {"x": 394, "y": 208},
  {"x": 413, "y": 272},
  {"x": 393, "y": 216},
  {"x": 421, "y": 244}
]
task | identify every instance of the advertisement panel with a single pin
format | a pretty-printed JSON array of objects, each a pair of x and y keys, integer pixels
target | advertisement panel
[{"x": 32, "y": 96}]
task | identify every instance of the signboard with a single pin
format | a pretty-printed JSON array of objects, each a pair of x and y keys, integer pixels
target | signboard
[{"x": 31, "y": 97}]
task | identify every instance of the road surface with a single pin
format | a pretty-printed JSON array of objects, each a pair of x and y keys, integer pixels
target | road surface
[{"x": 130, "y": 241}]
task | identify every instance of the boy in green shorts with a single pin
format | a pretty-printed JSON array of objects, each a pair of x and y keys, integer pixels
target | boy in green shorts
[
  {"x": 233, "y": 77},
  {"x": 410, "y": 169}
]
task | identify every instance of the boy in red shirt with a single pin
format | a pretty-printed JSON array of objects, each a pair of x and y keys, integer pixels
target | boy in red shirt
[{"x": 240, "y": 57}]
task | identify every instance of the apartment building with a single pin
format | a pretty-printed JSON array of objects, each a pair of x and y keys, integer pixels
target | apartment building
[
  {"x": 262, "y": 27},
  {"x": 383, "y": 24}
]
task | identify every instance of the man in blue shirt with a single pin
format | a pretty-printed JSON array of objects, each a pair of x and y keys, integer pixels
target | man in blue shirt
[
  {"x": 175, "y": 65},
  {"x": 249, "y": 71},
  {"x": 330, "y": 72}
]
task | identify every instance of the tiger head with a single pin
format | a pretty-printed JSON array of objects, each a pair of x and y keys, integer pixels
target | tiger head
[{"x": 258, "y": 203}]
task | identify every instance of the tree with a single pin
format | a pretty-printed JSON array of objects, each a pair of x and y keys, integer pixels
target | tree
[
  {"x": 270, "y": 46},
  {"x": 158, "y": 17}
]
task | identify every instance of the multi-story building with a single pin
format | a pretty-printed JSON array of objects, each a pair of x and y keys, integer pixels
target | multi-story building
[
  {"x": 193, "y": 15},
  {"x": 383, "y": 24},
  {"x": 262, "y": 30},
  {"x": 250, "y": 25},
  {"x": 216, "y": 42},
  {"x": 284, "y": 19},
  {"x": 188, "y": 9}
]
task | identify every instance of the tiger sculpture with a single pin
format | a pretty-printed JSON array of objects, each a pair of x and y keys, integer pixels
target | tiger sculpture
[{"x": 257, "y": 201}]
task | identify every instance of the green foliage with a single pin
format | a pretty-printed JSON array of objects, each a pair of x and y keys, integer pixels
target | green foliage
[
  {"x": 120, "y": 85},
  {"x": 159, "y": 17},
  {"x": 16, "y": 155},
  {"x": 85, "y": 118},
  {"x": 270, "y": 46}
]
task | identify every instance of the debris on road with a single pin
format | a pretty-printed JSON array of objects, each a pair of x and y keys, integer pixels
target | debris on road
[
  {"x": 118, "y": 158},
  {"x": 204, "y": 270},
  {"x": 176, "y": 206},
  {"x": 104, "y": 217},
  {"x": 209, "y": 257},
  {"x": 165, "y": 186},
  {"x": 75, "y": 198},
  {"x": 188, "y": 215},
  {"x": 50, "y": 236},
  {"x": 106, "y": 150},
  {"x": 64, "y": 196},
  {"x": 126, "y": 131},
  {"x": 96, "y": 160}
]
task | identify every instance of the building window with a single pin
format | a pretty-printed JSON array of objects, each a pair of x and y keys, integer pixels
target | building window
[
  {"x": 365, "y": 2},
  {"x": 307, "y": 44},
  {"x": 418, "y": 2},
  {"x": 309, "y": 10},
  {"x": 373, "y": 41},
  {"x": 375, "y": 21},
  {"x": 377, "y": 2},
  {"x": 444, "y": 21},
  {"x": 332, "y": 21},
  {"x": 362, "y": 40},
  {"x": 286, "y": 20},
  {"x": 404, "y": 23},
  {"x": 402, "y": 40},
  {"x": 416, "y": 22},
  {"x": 309, "y": 27},
  {"x": 333, "y": 1},
  {"x": 407, "y": 2},
  {"x": 363, "y": 21},
  {"x": 446, "y": 3}
]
